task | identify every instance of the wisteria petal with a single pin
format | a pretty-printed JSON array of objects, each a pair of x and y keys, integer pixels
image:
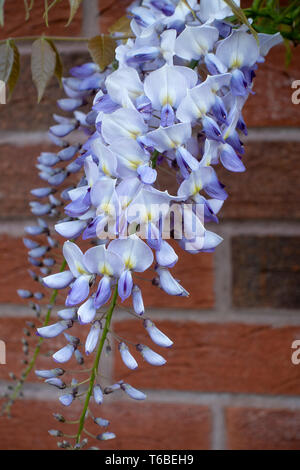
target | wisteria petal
[
  {"x": 127, "y": 357},
  {"x": 71, "y": 229},
  {"x": 59, "y": 280},
  {"x": 137, "y": 300},
  {"x": 92, "y": 338},
  {"x": 64, "y": 354},
  {"x": 135, "y": 253},
  {"x": 133, "y": 392},
  {"x": 98, "y": 394},
  {"x": 157, "y": 336},
  {"x": 87, "y": 311},
  {"x": 150, "y": 356},
  {"x": 54, "y": 330}
]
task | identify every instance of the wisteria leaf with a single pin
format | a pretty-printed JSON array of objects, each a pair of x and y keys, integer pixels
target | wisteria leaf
[
  {"x": 47, "y": 9},
  {"x": 15, "y": 70},
  {"x": 241, "y": 16},
  {"x": 122, "y": 25},
  {"x": 58, "y": 72},
  {"x": 28, "y": 7},
  {"x": 6, "y": 61},
  {"x": 2, "y": 12},
  {"x": 74, "y": 5},
  {"x": 43, "y": 62},
  {"x": 102, "y": 49}
]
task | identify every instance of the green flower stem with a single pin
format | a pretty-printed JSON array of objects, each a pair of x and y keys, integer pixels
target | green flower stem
[
  {"x": 26, "y": 372},
  {"x": 154, "y": 158},
  {"x": 96, "y": 363}
]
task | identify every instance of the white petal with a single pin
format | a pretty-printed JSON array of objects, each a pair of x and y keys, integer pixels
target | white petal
[
  {"x": 127, "y": 357},
  {"x": 93, "y": 338},
  {"x": 64, "y": 354},
  {"x": 70, "y": 229},
  {"x": 133, "y": 392},
  {"x": 101, "y": 261},
  {"x": 87, "y": 312},
  {"x": 195, "y": 42},
  {"x": 54, "y": 330},
  {"x": 123, "y": 123},
  {"x": 135, "y": 254},
  {"x": 151, "y": 356},
  {"x": 59, "y": 280},
  {"x": 240, "y": 49},
  {"x": 73, "y": 255},
  {"x": 157, "y": 336}
]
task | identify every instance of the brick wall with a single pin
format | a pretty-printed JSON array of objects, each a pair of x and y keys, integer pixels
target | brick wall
[{"x": 229, "y": 382}]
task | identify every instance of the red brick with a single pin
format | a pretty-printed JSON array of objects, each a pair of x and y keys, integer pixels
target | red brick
[
  {"x": 145, "y": 426},
  {"x": 110, "y": 12},
  {"x": 266, "y": 272},
  {"x": 272, "y": 104},
  {"x": 269, "y": 188},
  {"x": 18, "y": 176},
  {"x": 261, "y": 429},
  {"x": 13, "y": 270},
  {"x": 16, "y": 26},
  {"x": 216, "y": 358}
]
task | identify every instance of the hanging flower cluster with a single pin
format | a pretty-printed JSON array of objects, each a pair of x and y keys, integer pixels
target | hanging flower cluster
[{"x": 171, "y": 104}]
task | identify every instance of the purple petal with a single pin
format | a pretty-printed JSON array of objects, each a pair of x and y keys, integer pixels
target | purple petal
[{"x": 79, "y": 291}]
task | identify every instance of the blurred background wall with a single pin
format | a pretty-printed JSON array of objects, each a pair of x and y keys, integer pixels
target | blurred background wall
[{"x": 229, "y": 382}]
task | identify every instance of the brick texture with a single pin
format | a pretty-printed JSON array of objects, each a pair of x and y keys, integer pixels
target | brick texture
[
  {"x": 137, "y": 426},
  {"x": 266, "y": 272},
  {"x": 18, "y": 165},
  {"x": 16, "y": 26},
  {"x": 110, "y": 11},
  {"x": 272, "y": 103},
  {"x": 269, "y": 188},
  {"x": 216, "y": 357},
  {"x": 259, "y": 429}
]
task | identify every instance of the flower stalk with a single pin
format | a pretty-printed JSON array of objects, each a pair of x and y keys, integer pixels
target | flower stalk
[{"x": 96, "y": 363}]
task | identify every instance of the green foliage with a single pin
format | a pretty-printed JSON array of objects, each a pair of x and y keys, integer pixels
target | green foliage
[
  {"x": 74, "y": 5},
  {"x": 102, "y": 50},
  {"x": 43, "y": 64},
  {"x": 2, "y": 12},
  {"x": 270, "y": 17},
  {"x": 240, "y": 15}
]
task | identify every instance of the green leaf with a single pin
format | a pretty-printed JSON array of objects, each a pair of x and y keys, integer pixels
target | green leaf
[
  {"x": 47, "y": 9},
  {"x": 58, "y": 72},
  {"x": 240, "y": 15},
  {"x": 2, "y": 12},
  {"x": 15, "y": 70},
  {"x": 6, "y": 61},
  {"x": 28, "y": 8},
  {"x": 288, "y": 53},
  {"x": 102, "y": 49},
  {"x": 74, "y": 5},
  {"x": 43, "y": 62},
  {"x": 122, "y": 25}
]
